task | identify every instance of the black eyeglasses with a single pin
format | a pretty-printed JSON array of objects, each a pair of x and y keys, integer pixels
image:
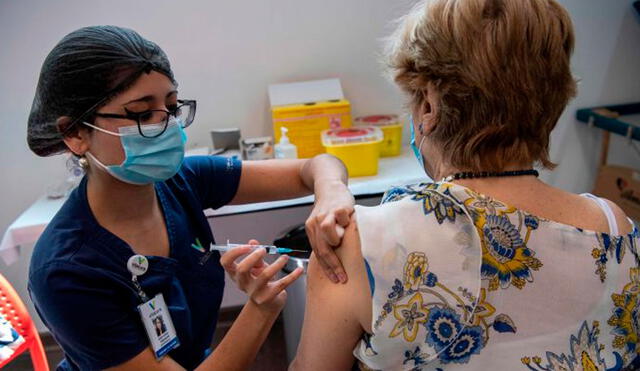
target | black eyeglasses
[{"x": 153, "y": 123}]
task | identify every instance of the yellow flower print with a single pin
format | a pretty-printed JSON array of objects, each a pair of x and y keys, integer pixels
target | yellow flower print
[
  {"x": 633, "y": 287},
  {"x": 486, "y": 205},
  {"x": 409, "y": 317},
  {"x": 483, "y": 309},
  {"x": 506, "y": 259},
  {"x": 437, "y": 200},
  {"x": 584, "y": 353},
  {"x": 587, "y": 362},
  {"x": 414, "y": 269},
  {"x": 626, "y": 317},
  {"x": 596, "y": 253}
]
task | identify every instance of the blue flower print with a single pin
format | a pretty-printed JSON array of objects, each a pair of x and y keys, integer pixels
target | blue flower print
[
  {"x": 443, "y": 326},
  {"x": 395, "y": 194},
  {"x": 416, "y": 356},
  {"x": 448, "y": 337},
  {"x": 387, "y": 307},
  {"x": 430, "y": 280},
  {"x": 506, "y": 260},
  {"x": 468, "y": 343},
  {"x": 439, "y": 204},
  {"x": 531, "y": 222},
  {"x": 397, "y": 289}
]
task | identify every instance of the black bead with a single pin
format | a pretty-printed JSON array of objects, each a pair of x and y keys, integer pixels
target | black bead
[{"x": 485, "y": 174}]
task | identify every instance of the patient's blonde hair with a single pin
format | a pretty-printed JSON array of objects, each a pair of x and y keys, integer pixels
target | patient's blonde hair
[{"x": 501, "y": 68}]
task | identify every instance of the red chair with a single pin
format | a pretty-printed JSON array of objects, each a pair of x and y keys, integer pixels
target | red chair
[{"x": 13, "y": 309}]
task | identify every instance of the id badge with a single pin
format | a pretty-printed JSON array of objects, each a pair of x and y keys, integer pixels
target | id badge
[{"x": 159, "y": 327}]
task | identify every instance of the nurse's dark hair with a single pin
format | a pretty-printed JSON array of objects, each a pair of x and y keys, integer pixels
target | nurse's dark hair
[{"x": 86, "y": 69}]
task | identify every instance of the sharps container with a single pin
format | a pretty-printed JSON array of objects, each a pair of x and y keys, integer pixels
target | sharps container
[
  {"x": 391, "y": 128},
  {"x": 357, "y": 147},
  {"x": 293, "y": 312}
]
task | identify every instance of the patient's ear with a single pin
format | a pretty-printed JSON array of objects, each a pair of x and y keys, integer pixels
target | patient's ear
[
  {"x": 77, "y": 139},
  {"x": 429, "y": 110}
]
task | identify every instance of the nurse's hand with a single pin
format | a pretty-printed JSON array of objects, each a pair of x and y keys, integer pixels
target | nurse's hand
[
  {"x": 256, "y": 277},
  {"x": 326, "y": 224}
]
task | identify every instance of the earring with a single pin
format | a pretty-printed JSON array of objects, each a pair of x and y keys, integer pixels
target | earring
[
  {"x": 421, "y": 129},
  {"x": 83, "y": 162},
  {"x": 77, "y": 166}
]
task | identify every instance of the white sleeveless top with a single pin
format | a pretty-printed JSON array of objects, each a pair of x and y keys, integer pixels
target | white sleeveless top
[{"x": 461, "y": 281}]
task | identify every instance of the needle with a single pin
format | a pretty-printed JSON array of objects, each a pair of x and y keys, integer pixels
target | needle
[{"x": 270, "y": 248}]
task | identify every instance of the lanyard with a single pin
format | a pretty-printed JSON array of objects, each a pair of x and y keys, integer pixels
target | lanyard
[
  {"x": 137, "y": 266},
  {"x": 154, "y": 313}
]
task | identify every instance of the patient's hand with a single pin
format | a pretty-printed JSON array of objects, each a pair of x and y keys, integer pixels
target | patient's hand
[{"x": 256, "y": 277}]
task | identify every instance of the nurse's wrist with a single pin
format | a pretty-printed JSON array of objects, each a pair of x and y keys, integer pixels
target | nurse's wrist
[
  {"x": 270, "y": 309},
  {"x": 326, "y": 187}
]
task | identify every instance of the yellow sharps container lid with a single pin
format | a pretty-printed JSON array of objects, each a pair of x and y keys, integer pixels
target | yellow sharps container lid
[
  {"x": 354, "y": 135},
  {"x": 377, "y": 120}
]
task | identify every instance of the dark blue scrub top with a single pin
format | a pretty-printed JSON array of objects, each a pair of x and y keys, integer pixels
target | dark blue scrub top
[{"x": 82, "y": 290}]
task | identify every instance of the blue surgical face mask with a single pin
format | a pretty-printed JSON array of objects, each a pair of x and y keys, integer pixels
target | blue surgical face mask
[
  {"x": 416, "y": 149},
  {"x": 147, "y": 160}
]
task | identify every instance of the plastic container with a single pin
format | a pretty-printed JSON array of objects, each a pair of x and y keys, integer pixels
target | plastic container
[
  {"x": 284, "y": 148},
  {"x": 357, "y": 147},
  {"x": 391, "y": 128},
  {"x": 256, "y": 148},
  {"x": 306, "y": 121}
]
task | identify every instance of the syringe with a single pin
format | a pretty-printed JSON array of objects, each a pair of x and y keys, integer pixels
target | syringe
[{"x": 271, "y": 250}]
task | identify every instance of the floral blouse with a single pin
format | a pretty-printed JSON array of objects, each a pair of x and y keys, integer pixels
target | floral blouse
[{"x": 461, "y": 281}]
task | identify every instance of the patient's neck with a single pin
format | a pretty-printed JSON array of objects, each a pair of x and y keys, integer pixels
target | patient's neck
[{"x": 504, "y": 188}]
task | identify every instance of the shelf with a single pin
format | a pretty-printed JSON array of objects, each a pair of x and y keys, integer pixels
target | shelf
[{"x": 590, "y": 116}]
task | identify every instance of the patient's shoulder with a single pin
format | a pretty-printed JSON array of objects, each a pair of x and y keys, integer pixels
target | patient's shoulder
[
  {"x": 624, "y": 225},
  {"x": 349, "y": 251}
]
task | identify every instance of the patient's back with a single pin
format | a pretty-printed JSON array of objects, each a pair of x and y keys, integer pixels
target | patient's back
[{"x": 463, "y": 281}]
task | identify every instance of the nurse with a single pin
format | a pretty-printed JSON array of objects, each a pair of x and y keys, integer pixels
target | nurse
[{"x": 122, "y": 275}]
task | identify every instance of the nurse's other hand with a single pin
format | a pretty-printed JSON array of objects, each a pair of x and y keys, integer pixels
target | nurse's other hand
[
  {"x": 325, "y": 226},
  {"x": 256, "y": 277}
]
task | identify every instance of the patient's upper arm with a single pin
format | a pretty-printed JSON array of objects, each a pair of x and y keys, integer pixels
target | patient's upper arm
[
  {"x": 335, "y": 313},
  {"x": 624, "y": 225}
]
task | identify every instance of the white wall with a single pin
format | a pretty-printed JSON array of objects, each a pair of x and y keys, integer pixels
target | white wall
[
  {"x": 224, "y": 53},
  {"x": 607, "y": 63}
]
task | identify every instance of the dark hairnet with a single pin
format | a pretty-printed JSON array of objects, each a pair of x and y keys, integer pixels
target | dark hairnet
[{"x": 83, "y": 71}]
